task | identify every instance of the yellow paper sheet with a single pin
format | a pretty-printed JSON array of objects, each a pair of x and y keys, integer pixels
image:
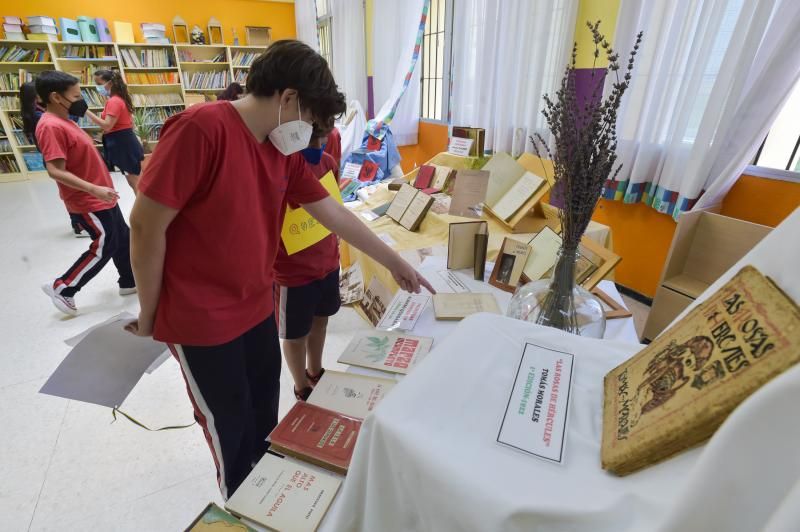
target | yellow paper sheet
[{"x": 300, "y": 229}]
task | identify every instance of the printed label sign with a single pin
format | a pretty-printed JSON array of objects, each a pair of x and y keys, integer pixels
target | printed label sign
[
  {"x": 300, "y": 229},
  {"x": 460, "y": 146},
  {"x": 535, "y": 420}
]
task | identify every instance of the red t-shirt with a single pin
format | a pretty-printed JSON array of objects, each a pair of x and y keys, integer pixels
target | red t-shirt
[
  {"x": 115, "y": 106},
  {"x": 314, "y": 262},
  {"x": 231, "y": 192},
  {"x": 334, "y": 146},
  {"x": 59, "y": 138}
]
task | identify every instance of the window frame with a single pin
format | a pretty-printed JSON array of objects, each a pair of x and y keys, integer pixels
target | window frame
[
  {"x": 325, "y": 22},
  {"x": 447, "y": 61}
]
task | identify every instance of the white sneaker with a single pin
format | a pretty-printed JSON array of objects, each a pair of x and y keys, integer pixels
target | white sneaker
[
  {"x": 127, "y": 291},
  {"x": 80, "y": 233},
  {"x": 62, "y": 303}
]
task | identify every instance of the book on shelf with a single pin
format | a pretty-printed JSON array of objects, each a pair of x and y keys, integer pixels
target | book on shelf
[
  {"x": 186, "y": 56},
  {"x": 9, "y": 103},
  {"x": 8, "y": 164},
  {"x": 215, "y": 519},
  {"x": 212, "y": 79},
  {"x": 316, "y": 435},
  {"x": 92, "y": 97},
  {"x": 90, "y": 51},
  {"x": 409, "y": 207},
  {"x": 283, "y": 494},
  {"x": 240, "y": 77},
  {"x": 152, "y": 78},
  {"x": 242, "y": 58},
  {"x": 678, "y": 390},
  {"x": 392, "y": 352},
  {"x": 511, "y": 186},
  {"x": 455, "y": 307},
  {"x": 19, "y": 54},
  {"x": 148, "y": 58},
  {"x": 351, "y": 394},
  {"x": 167, "y": 98}
]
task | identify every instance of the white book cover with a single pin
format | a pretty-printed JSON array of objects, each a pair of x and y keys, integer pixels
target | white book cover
[
  {"x": 284, "y": 495},
  {"x": 386, "y": 351},
  {"x": 350, "y": 394}
]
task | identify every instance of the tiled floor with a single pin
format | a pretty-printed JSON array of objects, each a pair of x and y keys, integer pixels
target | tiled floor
[{"x": 64, "y": 465}]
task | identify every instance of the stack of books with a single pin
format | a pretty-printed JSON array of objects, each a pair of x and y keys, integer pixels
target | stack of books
[
  {"x": 160, "y": 114},
  {"x": 146, "y": 58},
  {"x": 86, "y": 74},
  {"x": 217, "y": 79},
  {"x": 89, "y": 52},
  {"x": 92, "y": 97},
  {"x": 144, "y": 100},
  {"x": 9, "y": 103},
  {"x": 18, "y": 54},
  {"x": 42, "y": 29},
  {"x": 240, "y": 77},
  {"x": 8, "y": 165},
  {"x": 5, "y": 145},
  {"x": 186, "y": 57},
  {"x": 12, "y": 26},
  {"x": 154, "y": 33},
  {"x": 10, "y": 81},
  {"x": 158, "y": 78}
]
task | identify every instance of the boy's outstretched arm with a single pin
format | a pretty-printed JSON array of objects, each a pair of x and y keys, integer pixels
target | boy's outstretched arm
[{"x": 344, "y": 223}]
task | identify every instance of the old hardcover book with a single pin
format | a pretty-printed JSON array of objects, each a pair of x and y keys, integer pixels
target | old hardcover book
[
  {"x": 469, "y": 193},
  {"x": 674, "y": 393},
  {"x": 461, "y": 250},
  {"x": 282, "y": 494},
  {"x": 424, "y": 176},
  {"x": 459, "y": 306},
  {"x": 351, "y": 394},
  {"x": 387, "y": 351},
  {"x": 409, "y": 207},
  {"x": 215, "y": 519},
  {"x": 317, "y": 435},
  {"x": 516, "y": 196}
]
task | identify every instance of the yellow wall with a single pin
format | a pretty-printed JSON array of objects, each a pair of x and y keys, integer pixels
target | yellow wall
[
  {"x": 593, "y": 10},
  {"x": 231, "y": 13}
]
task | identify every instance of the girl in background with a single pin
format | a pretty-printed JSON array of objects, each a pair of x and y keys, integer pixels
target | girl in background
[
  {"x": 233, "y": 92},
  {"x": 122, "y": 149}
]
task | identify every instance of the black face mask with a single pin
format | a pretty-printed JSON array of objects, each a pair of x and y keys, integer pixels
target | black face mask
[{"x": 77, "y": 108}]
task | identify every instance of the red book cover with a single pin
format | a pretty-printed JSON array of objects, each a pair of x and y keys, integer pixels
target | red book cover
[
  {"x": 368, "y": 171},
  {"x": 317, "y": 435},
  {"x": 424, "y": 176},
  {"x": 373, "y": 143}
]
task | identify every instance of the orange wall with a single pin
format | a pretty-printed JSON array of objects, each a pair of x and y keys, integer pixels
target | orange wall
[
  {"x": 231, "y": 13},
  {"x": 641, "y": 235}
]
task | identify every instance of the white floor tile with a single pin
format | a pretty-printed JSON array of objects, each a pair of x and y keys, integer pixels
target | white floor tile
[{"x": 64, "y": 465}]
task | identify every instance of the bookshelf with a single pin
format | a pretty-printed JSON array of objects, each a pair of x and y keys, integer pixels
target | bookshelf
[{"x": 159, "y": 76}]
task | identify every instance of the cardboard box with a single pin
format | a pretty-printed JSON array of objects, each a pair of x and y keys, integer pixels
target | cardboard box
[{"x": 666, "y": 306}]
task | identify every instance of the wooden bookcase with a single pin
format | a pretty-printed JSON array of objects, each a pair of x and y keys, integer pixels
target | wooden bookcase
[{"x": 163, "y": 99}]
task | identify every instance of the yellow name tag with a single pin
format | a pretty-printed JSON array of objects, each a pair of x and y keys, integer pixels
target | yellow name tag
[{"x": 300, "y": 229}]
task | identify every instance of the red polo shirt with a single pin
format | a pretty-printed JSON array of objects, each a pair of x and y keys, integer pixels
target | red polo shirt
[
  {"x": 314, "y": 262},
  {"x": 231, "y": 192}
]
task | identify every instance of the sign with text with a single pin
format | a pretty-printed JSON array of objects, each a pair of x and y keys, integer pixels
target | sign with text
[
  {"x": 535, "y": 420},
  {"x": 403, "y": 312},
  {"x": 460, "y": 146},
  {"x": 351, "y": 171},
  {"x": 300, "y": 229}
]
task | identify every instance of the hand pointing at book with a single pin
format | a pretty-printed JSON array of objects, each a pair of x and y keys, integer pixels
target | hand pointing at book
[{"x": 408, "y": 278}]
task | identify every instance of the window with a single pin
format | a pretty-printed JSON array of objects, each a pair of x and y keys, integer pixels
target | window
[
  {"x": 435, "y": 76},
  {"x": 779, "y": 151},
  {"x": 324, "y": 30}
]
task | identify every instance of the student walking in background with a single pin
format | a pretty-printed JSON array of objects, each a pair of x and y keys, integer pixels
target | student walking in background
[
  {"x": 308, "y": 287},
  {"x": 121, "y": 147},
  {"x": 86, "y": 188},
  {"x": 31, "y": 109},
  {"x": 232, "y": 92}
]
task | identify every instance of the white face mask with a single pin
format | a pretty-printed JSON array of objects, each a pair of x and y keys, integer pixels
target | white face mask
[{"x": 292, "y": 136}]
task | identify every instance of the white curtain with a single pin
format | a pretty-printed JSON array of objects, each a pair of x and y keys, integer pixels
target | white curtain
[
  {"x": 506, "y": 56},
  {"x": 349, "y": 49},
  {"x": 305, "y": 17},
  {"x": 709, "y": 80},
  {"x": 395, "y": 33},
  {"x": 353, "y": 132}
]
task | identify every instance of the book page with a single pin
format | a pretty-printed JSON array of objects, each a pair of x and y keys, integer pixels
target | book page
[
  {"x": 459, "y": 306},
  {"x": 517, "y": 195},
  {"x": 440, "y": 176},
  {"x": 544, "y": 250},
  {"x": 401, "y": 202},
  {"x": 351, "y": 394},
  {"x": 469, "y": 193},
  {"x": 504, "y": 172},
  {"x": 416, "y": 210}
]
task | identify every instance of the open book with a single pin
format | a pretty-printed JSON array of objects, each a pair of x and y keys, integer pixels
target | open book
[
  {"x": 409, "y": 207},
  {"x": 511, "y": 186}
]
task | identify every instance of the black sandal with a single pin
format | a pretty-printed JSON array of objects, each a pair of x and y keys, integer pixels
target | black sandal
[
  {"x": 303, "y": 394},
  {"x": 315, "y": 379}
]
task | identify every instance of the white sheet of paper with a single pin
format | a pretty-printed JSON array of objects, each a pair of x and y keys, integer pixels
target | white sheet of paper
[
  {"x": 368, "y": 215},
  {"x": 403, "y": 312},
  {"x": 535, "y": 419},
  {"x": 351, "y": 171},
  {"x": 387, "y": 239},
  {"x": 104, "y": 365},
  {"x": 460, "y": 146}
]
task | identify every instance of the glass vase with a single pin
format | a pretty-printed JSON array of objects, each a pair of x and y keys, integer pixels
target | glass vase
[{"x": 560, "y": 302}]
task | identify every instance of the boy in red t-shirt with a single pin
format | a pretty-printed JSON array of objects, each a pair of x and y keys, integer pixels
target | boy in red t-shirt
[
  {"x": 86, "y": 188},
  {"x": 308, "y": 288},
  {"x": 205, "y": 233}
]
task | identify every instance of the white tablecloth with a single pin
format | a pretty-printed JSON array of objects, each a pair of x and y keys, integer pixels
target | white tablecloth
[{"x": 427, "y": 458}]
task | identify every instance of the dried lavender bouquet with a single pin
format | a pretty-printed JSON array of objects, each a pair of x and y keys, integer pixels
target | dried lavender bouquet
[{"x": 583, "y": 155}]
